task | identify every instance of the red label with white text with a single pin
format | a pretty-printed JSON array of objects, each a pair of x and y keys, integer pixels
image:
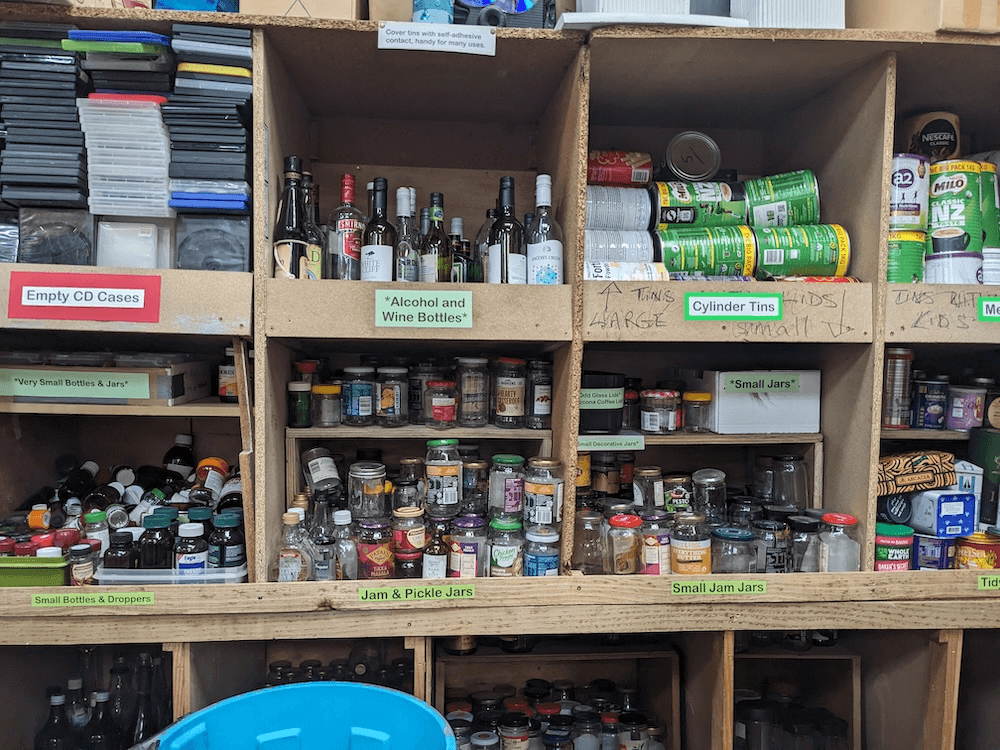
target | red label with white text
[{"x": 40, "y": 295}]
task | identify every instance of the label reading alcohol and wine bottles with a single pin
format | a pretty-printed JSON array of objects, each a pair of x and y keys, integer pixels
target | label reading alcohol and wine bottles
[
  {"x": 416, "y": 593},
  {"x": 142, "y": 598},
  {"x": 415, "y": 309},
  {"x": 732, "y": 306},
  {"x": 438, "y": 37},
  {"x": 702, "y": 588}
]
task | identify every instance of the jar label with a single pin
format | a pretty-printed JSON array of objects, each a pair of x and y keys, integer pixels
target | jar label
[
  {"x": 291, "y": 566},
  {"x": 321, "y": 469},
  {"x": 324, "y": 570},
  {"x": 443, "y": 483},
  {"x": 691, "y": 557},
  {"x": 348, "y": 235},
  {"x": 582, "y": 469},
  {"x": 775, "y": 558},
  {"x": 625, "y": 553},
  {"x": 375, "y": 560},
  {"x": 81, "y": 574},
  {"x": 505, "y": 561},
  {"x": 464, "y": 558},
  {"x": 443, "y": 409},
  {"x": 191, "y": 563},
  {"x": 641, "y": 488},
  {"x": 510, "y": 397},
  {"x": 214, "y": 481},
  {"x": 390, "y": 398},
  {"x": 661, "y": 421},
  {"x": 542, "y": 402},
  {"x": 227, "y": 380},
  {"x": 226, "y": 555},
  {"x": 656, "y": 553},
  {"x": 520, "y": 742},
  {"x": 409, "y": 540},
  {"x": 435, "y": 566},
  {"x": 416, "y": 391},
  {"x": 541, "y": 565},
  {"x": 513, "y": 494},
  {"x": 542, "y": 503},
  {"x": 358, "y": 399}
]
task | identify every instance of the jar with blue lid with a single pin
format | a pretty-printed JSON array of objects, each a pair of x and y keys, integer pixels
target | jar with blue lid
[
  {"x": 733, "y": 550},
  {"x": 541, "y": 555}
]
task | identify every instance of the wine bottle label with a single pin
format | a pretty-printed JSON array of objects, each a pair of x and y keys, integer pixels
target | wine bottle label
[
  {"x": 288, "y": 256},
  {"x": 227, "y": 381},
  {"x": 429, "y": 268},
  {"x": 437, "y": 212},
  {"x": 376, "y": 263},
  {"x": 312, "y": 264},
  {"x": 545, "y": 262},
  {"x": 517, "y": 268},
  {"x": 435, "y": 566},
  {"x": 348, "y": 240},
  {"x": 494, "y": 266},
  {"x": 407, "y": 262},
  {"x": 516, "y": 271}
]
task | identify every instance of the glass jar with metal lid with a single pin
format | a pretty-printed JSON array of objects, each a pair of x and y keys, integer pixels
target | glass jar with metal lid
[
  {"x": 773, "y": 541},
  {"x": 366, "y": 489},
  {"x": 733, "y": 550},
  {"x": 543, "y": 491},
  {"x": 541, "y": 554},
  {"x": 624, "y": 544},
  {"x": 538, "y": 395},
  {"x": 655, "y": 542},
  {"x": 744, "y": 510},
  {"x": 475, "y": 487},
  {"x": 408, "y": 489},
  {"x": 506, "y": 543},
  {"x": 659, "y": 411},
  {"x": 647, "y": 488},
  {"x": 443, "y": 478},
  {"x": 633, "y": 731},
  {"x": 441, "y": 404},
  {"x": 507, "y": 484},
  {"x": 326, "y": 407},
  {"x": 409, "y": 532},
  {"x": 468, "y": 548},
  {"x": 358, "y": 394},
  {"x": 697, "y": 411},
  {"x": 509, "y": 380},
  {"x": 710, "y": 494},
  {"x": 392, "y": 400},
  {"x": 419, "y": 376},
  {"x": 690, "y": 545},
  {"x": 320, "y": 470},
  {"x": 473, "y": 382},
  {"x": 375, "y": 556}
]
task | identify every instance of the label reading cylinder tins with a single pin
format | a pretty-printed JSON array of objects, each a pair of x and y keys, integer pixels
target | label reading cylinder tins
[
  {"x": 713, "y": 251},
  {"x": 704, "y": 204}
]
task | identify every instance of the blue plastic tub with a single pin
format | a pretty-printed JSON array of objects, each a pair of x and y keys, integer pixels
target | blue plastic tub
[{"x": 313, "y": 716}]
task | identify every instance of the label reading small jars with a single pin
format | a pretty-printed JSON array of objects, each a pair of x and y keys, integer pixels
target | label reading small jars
[{"x": 510, "y": 397}]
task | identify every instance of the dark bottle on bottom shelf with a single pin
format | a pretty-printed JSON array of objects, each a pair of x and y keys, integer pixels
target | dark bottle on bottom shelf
[
  {"x": 55, "y": 734},
  {"x": 100, "y": 732},
  {"x": 121, "y": 698},
  {"x": 144, "y": 723}
]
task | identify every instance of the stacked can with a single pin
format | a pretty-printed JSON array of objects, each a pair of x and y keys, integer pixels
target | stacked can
[
  {"x": 954, "y": 248},
  {"x": 990, "y": 197},
  {"x": 618, "y": 243},
  {"x": 908, "y": 207}
]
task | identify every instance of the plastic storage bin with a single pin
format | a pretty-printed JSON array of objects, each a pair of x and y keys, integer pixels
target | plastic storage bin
[
  {"x": 344, "y": 716},
  {"x": 125, "y": 577}
]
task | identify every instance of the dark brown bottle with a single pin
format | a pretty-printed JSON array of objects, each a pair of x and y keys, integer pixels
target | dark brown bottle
[
  {"x": 289, "y": 237},
  {"x": 379, "y": 241},
  {"x": 144, "y": 722},
  {"x": 122, "y": 552},
  {"x": 55, "y": 734}
]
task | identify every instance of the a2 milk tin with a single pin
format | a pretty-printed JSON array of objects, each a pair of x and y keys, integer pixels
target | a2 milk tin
[{"x": 909, "y": 196}]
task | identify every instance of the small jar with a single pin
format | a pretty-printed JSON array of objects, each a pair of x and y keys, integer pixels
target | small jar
[
  {"x": 506, "y": 544},
  {"x": 82, "y": 565},
  {"x": 840, "y": 550},
  {"x": 485, "y": 740},
  {"x": 443, "y": 478},
  {"x": 299, "y": 407},
  {"x": 658, "y": 414},
  {"x": 326, "y": 407},
  {"x": 805, "y": 544},
  {"x": 227, "y": 543},
  {"x": 320, "y": 470},
  {"x": 647, "y": 488},
  {"x": 418, "y": 376},
  {"x": 392, "y": 406},
  {"x": 633, "y": 731},
  {"x": 604, "y": 473},
  {"x": 541, "y": 555},
  {"x": 631, "y": 419},
  {"x": 507, "y": 484},
  {"x": 697, "y": 411},
  {"x": 509, "y": 380},
  {"x": 156, "y": 545},
  {"x": 409, "y": 533},
  {"x": 744, "y": 510},
  {"x": 624, "y": 544},
  {"x": 773, "y": 541},
  {"x": 358, "y": 395},
  {"x": 690, "y": 545},
  {"x": 710, "y": 494},
  {"x": 514, "y": 731},
  {"x": 366, "y": 489},
  {"x": 467, "y": 544},
  {"x": 441, "y": 404},
  {"x": 626, "y": 472},
  {"x": 678, "y": 492},
  {"x": 122, "y": 553},
  {"x": 543, "y": 491},
  {"x": 475, "y": 487},
  {"x": 655, "y": 542},
  {"x": 97, "y": 528},
  {"x": 733, "y": 550},
  {"x": 191, "y": 550},
  {"x": 538, "y": 396},
  {"x": 408, "y": 489},
  {"x": 588, "y": 543},
  {"x": 375, "y": 557},
  {"x": 473, "y": 382}
]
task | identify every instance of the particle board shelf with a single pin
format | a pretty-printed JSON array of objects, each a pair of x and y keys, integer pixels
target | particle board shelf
[
  {"x": 934, "y": 435},
  {"x": 656, "y": 311},
  {"x": 414, "y": 432},
  {"x": 938, "y": 314},
  {"x": 208, "y": 407},
  {"x": 710, "y": 438}
]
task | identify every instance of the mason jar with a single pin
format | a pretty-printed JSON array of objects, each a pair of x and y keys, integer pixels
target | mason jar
[
  {"x": 543, "y": 491},
  {"x": 366, "y": 489},
  {"x": 538, "y": 395},
  {"x": 647, "y": 488},
  {"x": 507, "y": 484},
  {"x": 358, "y": 393},
  {"x": 392, "y": 405},
  {"x": 733, "y": 550},
  {"x": 509, "y": 378},
  {"x": 419, "y": 375},
  {"x": 473, "y": 382}
]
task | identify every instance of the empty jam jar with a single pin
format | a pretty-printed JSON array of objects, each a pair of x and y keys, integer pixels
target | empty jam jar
[
  {"x": 659, "y": 412},
  {"x": 697, "y": 411}
]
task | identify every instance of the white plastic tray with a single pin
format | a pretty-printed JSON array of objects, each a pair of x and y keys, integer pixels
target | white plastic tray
[{"x": 118, "y": 577}]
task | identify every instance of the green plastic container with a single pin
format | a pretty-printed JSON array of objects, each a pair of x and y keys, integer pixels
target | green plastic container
[{"x": 32, "y": 571}]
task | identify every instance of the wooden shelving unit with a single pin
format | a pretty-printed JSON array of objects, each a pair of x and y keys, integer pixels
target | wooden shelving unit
[{"x": 209, "y": 407}]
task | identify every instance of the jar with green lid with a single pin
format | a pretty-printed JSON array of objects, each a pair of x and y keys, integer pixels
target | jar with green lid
[
  {"x": 96, "y": 527},
  {"x": 697, "y": 411},
  {"x": 893, "y": 547},
  {"x": 326, "y": 407},
  {"x": 202, "y": 515},
  {"x": 443, "y": 478},
  {"x": 392, "y": 397},
  {"x": 506, "y": 547},
  {"x": 507, "y": 484},
  {"x": 299, "y": 404},
  {"x": 358, "y": 396}
]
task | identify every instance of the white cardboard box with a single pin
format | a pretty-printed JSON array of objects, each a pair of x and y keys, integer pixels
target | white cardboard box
[{"x": 760, "y": 401}]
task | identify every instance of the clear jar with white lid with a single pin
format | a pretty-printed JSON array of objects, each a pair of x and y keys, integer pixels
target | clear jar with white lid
[
  {"x": 358, "y": 393},
  {"x": 473, "y": 383},
  {"x": 541, "y": 554},
  {"x": 392, "y": 397}
]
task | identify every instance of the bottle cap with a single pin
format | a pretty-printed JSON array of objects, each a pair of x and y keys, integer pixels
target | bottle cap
[
  {"x": 227, "y": 521},
  {"x": 299, "y": 386},
  {"x": 542, "y": 534},
  {"x": 392, "y": 371},
  {"x": 700, "y": 396},
  {"x": 156, "y": 521},
  {"x": 457, "y": 225},
  {"x": 167, "y": 511},
  {"x": 326, "y": 390},
  {"x": 402, "y": 201},
  {"x": 91, "y": 466},
  {"x": 501, "y": 523},
  {"x": 191, "y": 529},
  {"x": 625, "y": 521},
  {"x": 290, "y": 519},
  {"x": 299, "y": 512},
  {"x": 185, "y": 440},
  {"x": 57, "y": 700},
  {"x": 342, "y": 517},
  {"x": 49, "y": 552},
  {"x": 118, "y": 486},
  {"x": 121, "y": 538},
  {"x": 95, "y": 516},
  {"x": 230, "y": 351},
  {"x": 102, "y": 696},
  {"x": 200, "y": 514}
]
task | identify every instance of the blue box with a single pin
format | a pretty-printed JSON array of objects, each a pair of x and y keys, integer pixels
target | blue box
[
  {"x": 943, "y": 513},
  {"x": 933, "y": 553}
]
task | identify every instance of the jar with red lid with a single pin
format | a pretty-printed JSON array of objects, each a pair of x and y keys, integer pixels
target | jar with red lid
[
  {"x": 24, "y": 549},
  {"x": 441, "y": 404},
  {"x": 659, "y": 412},
  {"x": 47, "y": 539},
  {"x": 66, "y": 538},
  {"x": 839, "y": 548},
  {"x": 624, "y": 544},
  {"x": 7, "y": 546},
  {"x": 509, "y": 383}
]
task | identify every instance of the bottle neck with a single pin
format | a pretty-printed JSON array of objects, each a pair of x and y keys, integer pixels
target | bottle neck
[
  {"x": 507, "y": 201},
  {"x": 347, "y": 192},
  {"x": 380, "y": 205}
]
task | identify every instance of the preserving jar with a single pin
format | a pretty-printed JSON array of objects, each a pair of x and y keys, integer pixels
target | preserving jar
[
  {"x": 468, "y": 553},
  {"x": 443, "y": 480},
  {"x": 733, "y": 550},
  {"x": 658, "y": 414},
  {"x": 624, "y": 544},
  {"x": 506, "y": 484},
  {"x": 510, "y": 385},
  {"x": 299, "y": 407},
  {"x": 538, "y": 395},
  {"x": 805, "y": 544},
  {"x": 647, "y": 488},
  {"x": 710, "y": 494},
  {"x": 543, "y": 491},
  {"x": 690, "y": 545},
  {"x": 392, "y": 407},
  {"x": 588, "y": 542},
  {"x": 541, "y": 554},
  {"x": 773, "y": 541},
  {"x": 655, "y": 542},
  {"x": 441, "y": 404},
  {"x": 375, "y": 556},
  {"x": 358, "y": 393},
  {"x": 409, "y": 533},
  {"x": 697, "y": 411},
  {"x": 366, "y": 489},
  {"x": 326, "y": 407},
  {"x": 473, "y": 382},
  {"x": 82, "y": 565}
]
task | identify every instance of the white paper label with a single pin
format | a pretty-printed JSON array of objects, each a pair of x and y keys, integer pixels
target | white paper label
[
  {"x": 322, "y": 468},
  {"x": 955, "y": 508},
  {"x": 438, "y": 37},
  {"x": 545, "y": 261},
  {"x": 376, "y": 263},
  {"x": 517, "y": 267},
  {"x": 428, "y": 268},
  {"x": 73, "y": 296}
]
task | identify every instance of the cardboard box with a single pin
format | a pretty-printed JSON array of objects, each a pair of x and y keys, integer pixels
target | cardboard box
[
  {"x": 340, "y": 10},
  {"x": 966, "y": 16},
  {"x": 760, "y": 401},
  {"x": 390, "y": 10},
  {"x": 943, "y": 513}
]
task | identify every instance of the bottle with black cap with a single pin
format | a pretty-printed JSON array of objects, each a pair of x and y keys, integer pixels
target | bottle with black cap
[{"x": 289, "y": 237}]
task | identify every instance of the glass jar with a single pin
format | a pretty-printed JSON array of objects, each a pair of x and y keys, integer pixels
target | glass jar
[
  {"x": 790, "y": 481},
  {"x": 409, "y": 533},
  {"x": 655, "y": 542},
  {"x": 631, "y": 419},
  {"x": 543, "y": 491},
  {"x": 513, "y": 731},
  {"x": 763, "y": 478},
  {"x": 506, "y": 485},
  {"x": 375, "y": 556},
  {"x": 773, "y": 541},
  {"x": 408, "y": 489},
  {"x": 678, "y": 492},
  {"x": 604, "y": 473},
  {"x": 647, "y": 488},
  {"x": 839, "y": 549},
  {"x": 191, "y": 550},
  {"x": 710, "y": 494},
  {"x": 473, "y": 382},
  {"x": 419, "y": 376},
  {"x": 320, "y": 470},
  {"x": 121, "y": 554},
  {"x": 733, "y": 550},
  {"x": 299, "y": 407},
  {"x": 690, "y": 545},
  {"x": 392, "y": 407},
  {"x": 541, "y": 555},
  {"x": 626, "y": 472},
  {"x": 658, "y": 414},
  {"x": 96, "y": 527},
  {"x": 588, "y": 542},
  {"x": 624, "y": 544},
  {"x": 443, "y": 480},
  {"x": 358, "y": 394},
  {"x": 326, "y": 407},
  {"x": 227, "y": 543},
  {"x": 409, "y": 564},
  {"x": 506, "y": 544},
  {"x": 509, "y": 379},
  {"x": 538, "y": 396},
  {"x": 805, "y": 544},
  {"x": 366, "y": 490},
  {"x": 744, "y": 510},
  {"x": 475, "y": 487},
  {"x": 468, "y": 554},
  {"x": 586, "y": 730},
  {"x": 82, "y": 564},
  {"x": 697, "y": 411},
  {"x": 633, "y": 731},
  {"x": 156, "y": 545},
  {"x": 441, "y": 404},
  {"x": 584, "y": 475},
  {"x": 752, "y": 725}
]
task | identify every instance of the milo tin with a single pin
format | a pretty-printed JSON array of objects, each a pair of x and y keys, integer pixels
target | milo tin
[
  {"x": 956, "y": 212},
  {"x": 906, "y": 257},
  {"x": 714, "y": 251},
  {"x": 703, "y": 204},
  {"x": 812, "y": 250},
  {"x": 989, "y": 196},
  {"x": 908, "y": 199},
  {"x": 783, "y": 200}
]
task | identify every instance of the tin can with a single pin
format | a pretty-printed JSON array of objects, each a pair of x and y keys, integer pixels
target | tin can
[
  {"x": 610, "y": 245},
  {"x": 714, "y": 251},
  {"x": 783, "y": 200},
  {"x": 692, "y": 155},
  {"x": 991, "y": 412},
  {"x": 621, "y": 208},
  {"x": 909, "y": 195},
  {"x": 624, "y": 168},
  {"x": 956, "y": 212},
  {"x": 932, "y": 553},
  {"x": 965, "y": 407},
  {"x": 893, "y": 547},
  {"x": 906, "y": 257},
  {"x": 981, "y": 550},
  {"x": 935, "y": 135},
  {"x": 896, "y": 389},
  {"x": 930, "y": 402},
  {"x": 989, "y": 196},
  {"x": 813, "y": 250},
  {"x": 702, "y": 204},
  {"x": 821, "y": 279},
  {"x": 953, "y": 268},
  {"x": 594, "y": 270}
]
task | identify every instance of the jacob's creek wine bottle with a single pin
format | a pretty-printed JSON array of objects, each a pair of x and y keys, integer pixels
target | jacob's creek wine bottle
[
  {"x": 346, "y": 227},
  {"x": 544, "y": 238},
  {"x": 379, "y": 238},
  {"x": 289, "y": 237},
  {"x": 407, "y": 256}
]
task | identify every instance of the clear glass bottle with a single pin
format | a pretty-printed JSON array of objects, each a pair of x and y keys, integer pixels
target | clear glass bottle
[
  {"x": 544, "y": 238},
  {"x": 507, "y": 485},
  {"x": 77, "y": 705},
  {"x": 586, "y": 730},
  {"x": 473, "y": 381},
  {"x": 324, "y": 540},
  {"x": 375, "y": 556},
  {"x": 392, "y": 405},
  {"x": 315, "y": 254},
  {"x": 443, "y": 480},
  {"x": 144, "y": 719},
  {"x": 655, "y": 542},
  {"x": 468, "y": 548},
  {"x": 506, "y": 262},
  {"x": 408, "y": 489},
  {"x": 435, "y": 249},
  {"x": 100, "y": 732},
  {"x": 121, "y": 700},
  {"x": 346, "y": 547},
  {"x": 624, "y": 545},
  {"x": 690, "y": 545},
  {"x": 379, "y": 238},
  {"x": 506, "y": 543},
  {"x": 358, "y": 395},
  {"x": 840, "y": 551},
  {"x": 509, "y": 387},
  {"x": 733, "y": 550},
  {"x": 441, "y": 404},
  {"x": 541, "y": 553},
  {"x": 294, "y": 563},
  {"x": 647, "y": 488},
  {"x": 543, "y": 491},
  {"x": 697, "y": 411},
  {"x": 710, "y": 494},
  {"x": 538, "y": 395},
  {"x": 481, "y": 243},
  {"x": 366, "y": 490},
  {"x": 346, "y": 227},
  {"x": 326, "y": 406},
  {"x": 407, "y": 239}
]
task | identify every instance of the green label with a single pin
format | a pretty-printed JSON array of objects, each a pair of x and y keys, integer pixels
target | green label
[
  {"x": 611, "y": 443},
  {"x": 602, "y": 398},
  {"x": 732, "y": 306},
  {"x": 72, "y": 384},
  {"x": 416, "y": 593},
  {"x": 989, "y": 309},
  {"x": 714, "y": 588},
  {"x": 989, "y": 583},
  {"x": 80, "y": 599},
  {"x": 753, "y": 382},
  {"x": 397, "y": 308}
]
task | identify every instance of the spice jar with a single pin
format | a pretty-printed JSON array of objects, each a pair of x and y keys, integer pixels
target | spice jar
[
  {"x": 678, "y": 491},
  {"x": 375, "y": 557},
  {"x": 326, "y": 408},
  {"x": 509, "y": 380},
  {"x": 733, "y": 550},
  {"x": 473, "y": 382},
  {"x": 710, "y": 494},
  {"x": 506, "y": 484},
  {"x": 299, "y": 408},
  {"x": 624, "y": 544},
  {"x": 604, "y": 473},
  {"x": 467, "y": 558},
  {"x": 588, "y": 542},
  {"x": 443, "y": 481},
  {"x": 358, "y": 395},
  {"x": 647, "y": 488},
  {"x": 506, "y": 544},
  {"x": 408, "y": 489},
  {"x": 655, "y": 542},
  {"x": 392, "y": 407},
  {"x": 658, "y": 414},
  {"x": 541, "y": 555},
  {"x": 697, "y": 411},
  {"x": 543, "y": 491},
  {"x": 409, "y": 534},
  {"x": 538, "y": 396},
  {"x": 82, "y": 565},
  {"x": 441, "y": 404},
  {"x": 366, "y": 489},
  {"x": 773, "y": 541},
  {"x": 690, "y": 545}
]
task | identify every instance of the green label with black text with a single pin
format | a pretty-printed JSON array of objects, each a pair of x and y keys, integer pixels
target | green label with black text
[
  {"x": 416, "y": 593},
  {"x": 715, "y": 588},
  {"x": 989, "y": 583},
  {"x": 81, "y": 599}
]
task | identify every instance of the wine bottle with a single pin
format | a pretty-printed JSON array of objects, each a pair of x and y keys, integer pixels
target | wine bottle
[
  {"x": 481, "y": 246},
  {"x": 506, "y": 263},
  {"x": 407, "y": 239},
  {"x": 100, "y": 732},
  {"x": 346, "y": 227},
  {"x": 314, "y": 254},
  {"x": 55, "y": 734},
  {"x": 379, "y": 238},
  {"x": 289, "y": 236},
  {"x": 425, "y": 223},
  {"x": 435, "y": 250},
  {"x": 459, "y": 263},
  {"x": 545, "y": 246},
  {"x": 144, "y": 720}
]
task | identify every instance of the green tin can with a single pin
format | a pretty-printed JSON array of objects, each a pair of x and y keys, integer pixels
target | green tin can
[
  {"x": 989, "y": 197},
  {"x": 956, "y": 210},
  {"x": 906, "y": 257},
  {"x": 712, "y": 251},
  {"x": 783, "y": 200},
  {"x": 701, "y": 204},
  {"x": 810, "y": 250}
]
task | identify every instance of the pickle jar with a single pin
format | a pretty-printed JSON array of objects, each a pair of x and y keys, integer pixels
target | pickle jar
[
  {"x": 506, "y": 484},
  {"x": 647, "y": 488},
  {"x": 366, "y": 489},
  {"x": 473, "y": 382},
  {"x": 299, "y": 406},
  {"x": 690, "y": 545},
  {"x": 392, "y": 405},
  {"x": 326, "y": 406},
  {"x": 659, "y": 412},
  {"x": 358, "y": 394},
  {"x": 375, "y": 555},
  {"x": 733, "y": 550},
  {"x": 409, "y": 532},
  {"x": 506, "y": 543},
  {"x": 441, "y": 404},
  {"x": 509, "y": 380},
  {"x": 543, "y": 491},
  {"x": 538, "y": 395},
  {"x": 624, "y": 544},
  {"x": 443, "y": 478}
]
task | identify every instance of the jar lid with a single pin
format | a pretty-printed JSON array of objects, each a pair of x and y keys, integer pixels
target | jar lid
[
  {"x": 697, "y": 396},
  {"x": 190, "y": 530},
  {"x": 202, "y": 513},
  {"x": 660, "y": 394},
  {"x": 473, "y": 361},
  {"x": 514, "y": 719},
  {"x": 96, "y": 516},
  {"x": 475, "y": 463},
  {"x": 505, "y": 524},
  {"x": 508, "y": 459},
  {"x": 512, "y": 361},
  {"x": 184, "y": 439},
  {"x": 306, "y": 365},
  {"x": 803, "y": 523},
  {"x": 469, "y": 522},
  {"x": 732, "y": 534},
  {"x": 709, "y": 476},
  {"x": 373, "y": 523},
  {"x": 408, "y": 512},
  {"x": 908, "y": 353},
  {"x": 893, "y": 529},
  {"x": 411, "y": 461},
  {"x": 359, "y": 370},
  {"x": 633, "y": 719},
  {"x": 647, "y": 471},
  {"x": 290, "y": 519},
  {"x": 49, "y": 552},
  {"x": 341, "y": 517},
  {"x": 767, "y": 524},
  {"x": 121, "y": 537},
  {"x": 80, "y": 550},
  {"x": 392, "y": 371},
  {"x": 366, "y": 470},
  {"x": 326, "y": 390},
  {"x": 543, "y": 462},
  {"x": 688, "y": 519},
  {"x": 839, "y": 519},
  {"x": 6, "y": 543},
  {"x": 542, "y": 534},
  {"x": 155, "y": 521},
  {"x": 441, "y": 384},
  {"x": 677, "y": 478},
  {"x": 441, "y": 443},
  {"x": 299, "y": 386},
  {"x": 654, "y": 514},
  {"x": 484, "y": 739},
  {"x": 626, "y": 521},
  {"x": 166, "y": 510}
]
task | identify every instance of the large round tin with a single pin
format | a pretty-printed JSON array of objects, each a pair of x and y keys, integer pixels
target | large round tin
[
  {"x": 981, "y": 551},
  {"x": 692, "y": 155},
  {"x": 906, "y": 257},
  {"x": 955, "y": 204},
  {"x": 782, "y": 200},
  {"x": 811, "y": 250},
  {"x": 989, "y": 198},
  {"x": 953, "y": 268},
  {"x": 702, "y": 204},
  {"x": 713, "y": 251},
  {"x": 908, "y": 198},
  {"x": 619, "y": 208},
  {"x": 607, "y": 244}
]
